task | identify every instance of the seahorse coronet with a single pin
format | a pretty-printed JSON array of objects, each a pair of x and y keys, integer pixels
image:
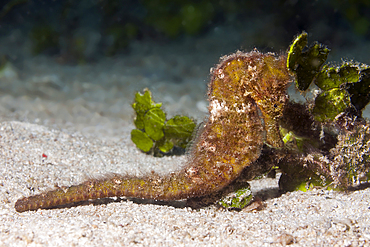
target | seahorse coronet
[{"x": 246, "y": 94}]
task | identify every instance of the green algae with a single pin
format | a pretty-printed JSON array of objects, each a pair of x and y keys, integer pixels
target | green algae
[
  {"x": 306, "y": 62},
  {"x": 237, "y": 199},
  {"x": 153, "y": 132}
]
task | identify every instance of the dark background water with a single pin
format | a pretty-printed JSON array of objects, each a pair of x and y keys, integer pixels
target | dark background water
[{"x": 84, "y": 31}]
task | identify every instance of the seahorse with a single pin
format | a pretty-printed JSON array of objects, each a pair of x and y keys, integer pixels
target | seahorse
[{"x": 247, "y": 94}]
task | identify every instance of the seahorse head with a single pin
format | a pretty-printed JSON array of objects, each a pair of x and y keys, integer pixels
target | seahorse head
[{"x": 261, "y": 77}]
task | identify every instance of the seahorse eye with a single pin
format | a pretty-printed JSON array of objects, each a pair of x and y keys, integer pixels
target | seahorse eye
[{"x": 275, "y": 105}]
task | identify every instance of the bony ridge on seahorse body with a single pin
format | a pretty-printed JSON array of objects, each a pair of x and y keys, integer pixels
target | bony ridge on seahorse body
[{"x": 247, "y": 94}]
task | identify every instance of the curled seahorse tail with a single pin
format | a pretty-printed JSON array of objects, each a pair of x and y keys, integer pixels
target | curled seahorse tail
[
  {"x": 186, "y": 183},
  {"x": 60, "y": 196}
]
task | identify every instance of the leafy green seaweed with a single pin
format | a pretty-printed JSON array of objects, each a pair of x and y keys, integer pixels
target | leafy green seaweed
[
  {"x": 153, "y": 132},
  {"x": 141, "y": 140},
  {"x": 331, "y": 103},
  {"x": 179, "y": 129},
  {"x": 154, "y": 122},
  {"x": 360, "y": 90},
  {"x": 344, "y": 91},
  {"x": 237, "y": 199},
  {"x": 333, "y": 77},
  {"x": 306, "y": 63},
  {"x": 295, "y": 51},
  {"x": 143, "y": 103}
]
